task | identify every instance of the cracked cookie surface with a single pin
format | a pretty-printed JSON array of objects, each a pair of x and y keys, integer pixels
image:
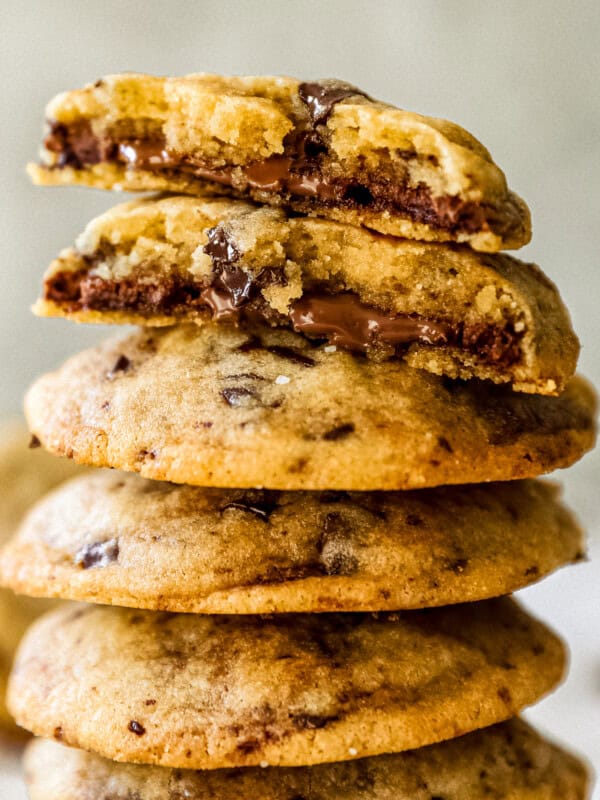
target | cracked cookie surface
[
  {"x": 322, "y": 148},
  {"x": 203, "y": 692}
]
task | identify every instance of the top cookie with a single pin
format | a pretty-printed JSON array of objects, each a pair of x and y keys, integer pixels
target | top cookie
[
  {"x": 443, "y": 308},
  {"x": 319, "y": 147}
]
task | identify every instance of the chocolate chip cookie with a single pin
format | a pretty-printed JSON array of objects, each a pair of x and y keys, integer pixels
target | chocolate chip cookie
[
  {"x": 323, "y": 148},
  {"x": 443, "y": 308},
  {"x": 25, "y": 475},
  {"x": 118, "y": 539},
  {"x": 204, "y": 692},
  {"x": 261, "y": 407},
  {"x": 507, "y": 760}
]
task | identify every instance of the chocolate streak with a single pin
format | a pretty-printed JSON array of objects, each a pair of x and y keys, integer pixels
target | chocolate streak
[{"x": 299, "y": 175}]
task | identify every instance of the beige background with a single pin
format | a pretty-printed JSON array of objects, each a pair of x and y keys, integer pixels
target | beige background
[{"x": 522, "y": 76}]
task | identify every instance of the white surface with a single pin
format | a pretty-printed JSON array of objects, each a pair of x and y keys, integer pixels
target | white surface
[{"x": 522, "y": 76}]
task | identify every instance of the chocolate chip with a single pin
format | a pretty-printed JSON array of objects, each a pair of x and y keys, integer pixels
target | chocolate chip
[
  {"x": 150, "y": 703},
  {"x": 445, "y": 444},
  {"x": 312, "y": 721},
  {"x": 146, "y": 455},
  {"x": 457, "y": 566},
  {"x": 98, "y": 554},
  {"x": 261, "y": 504},
  {"x": 358, "y": 194},
  {"x": 414, "y": 519},
  {"x": 253, "y": 343},
  {"x": 237, "y": 396},
  {"x": 339, "y": 432},
  {"x": 504, "y": 695},
  {"x": 58, "y": 734},
  {"x": 34, "y": 442},
  {"x": 221, "y": 247},
  {"x": 320, "y": 97},
  {"x": 531, "y": 571},
  {"x": 251, "y": 376},
  {"x": 292, "y": 354},
  {"x": 248, "y": 746},
  {"x": 122, "y": 364},
  {"x": 136, "y": 727}
]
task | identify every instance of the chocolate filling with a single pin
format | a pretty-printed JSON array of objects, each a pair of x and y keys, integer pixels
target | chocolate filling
[
  {"x": 340, "y": 319},
  {"x": 301, "y": 175}
]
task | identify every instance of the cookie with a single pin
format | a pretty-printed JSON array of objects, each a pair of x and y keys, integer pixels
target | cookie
[
  {"x": 203, "y": 692},
  {"x": 443, "y": 308},
  {"x": 323, "y": 148},
  {"x": 118, "y": 539},
  {"x": 507, "y": 760},
  {"x": 25, "y": 475},
  {"x": 218, "y": 406}
]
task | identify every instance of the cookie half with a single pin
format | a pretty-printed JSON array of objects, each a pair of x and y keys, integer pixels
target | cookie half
[
  {"x": 444, "y": 308},
  {"x": 118, "y": 539},
  {"x": 506, "y": 760},
  {"x": 25, "y": 475},
  {"x": 203, "y": 692},
  {"x": 218, "y": 406},
  {"x": 324, "y": 148}
]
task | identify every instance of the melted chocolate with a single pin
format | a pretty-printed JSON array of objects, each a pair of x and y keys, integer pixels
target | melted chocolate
[
  {"x": 320, "y": 97},
  {"x": 341, "y": 319},
  {"x": 346, "y": 322}
]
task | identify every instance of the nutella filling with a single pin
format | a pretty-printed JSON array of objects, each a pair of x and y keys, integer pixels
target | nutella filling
[
  {"x": 340, "y": 319},
  {"x": 299, "y": 175}
]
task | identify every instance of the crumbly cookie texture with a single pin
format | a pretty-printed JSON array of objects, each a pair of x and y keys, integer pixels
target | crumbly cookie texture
[
  {"x": 443, "y": 308},
  {"x": 324, "y": 148},
  {"x": 506, "y": 760},
  {"x": 203, "y": 692},
  {"x": 25, "y": 475},
  {"x": 118, "y": 539},
  {"x": 217, "y": 406}
]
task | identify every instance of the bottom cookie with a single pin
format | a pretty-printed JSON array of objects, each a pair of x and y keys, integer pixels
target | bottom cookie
[{"x": 506, "y": 761}]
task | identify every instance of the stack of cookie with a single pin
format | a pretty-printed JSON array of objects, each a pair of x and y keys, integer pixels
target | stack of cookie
[{"x": 331, "y": 348}]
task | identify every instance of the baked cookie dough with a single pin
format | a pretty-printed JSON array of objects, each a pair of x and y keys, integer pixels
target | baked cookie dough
[
  {"x": 323, "y": 148},
  {"x": 443, "y": 308},
  {"x": 509, "y": 760},
  {"x": 263, "y": 408},
  {"x": 115, "y": 538},
  {"x": 204, "y": 692},
  {"x": 25, "y": 475}
]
